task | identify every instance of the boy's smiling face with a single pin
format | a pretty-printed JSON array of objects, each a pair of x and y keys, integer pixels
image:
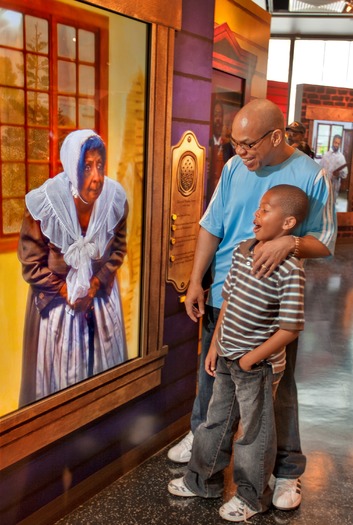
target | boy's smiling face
[{"x": 270, "y": 221}]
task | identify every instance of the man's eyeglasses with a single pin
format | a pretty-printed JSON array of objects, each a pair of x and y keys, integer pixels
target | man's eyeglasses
[{"x": 245, "y": 146}]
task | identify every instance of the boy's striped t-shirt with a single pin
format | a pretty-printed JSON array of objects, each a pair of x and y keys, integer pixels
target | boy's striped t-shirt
[{"x": 257, "y": 308}]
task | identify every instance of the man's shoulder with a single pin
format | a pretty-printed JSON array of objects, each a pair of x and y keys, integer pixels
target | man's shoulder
[
  {"x": 299, "y": 162},
  {"x": 232, "y": 170},
  {"x": 299, "y": 157}
]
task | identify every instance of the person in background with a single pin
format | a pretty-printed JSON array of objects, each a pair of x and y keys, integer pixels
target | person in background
[
  {"x": 263, "y": 159},
  {"x": 335, "y": 164},
  {"x": 220, "y": 148},
  {"x": 295, "y": 137},
  {"x": 247, "y": 355},
  {"x": 72, "y": 241}
]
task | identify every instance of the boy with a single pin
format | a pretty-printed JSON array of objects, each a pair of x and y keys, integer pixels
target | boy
[{"x": 258, "y": 318}]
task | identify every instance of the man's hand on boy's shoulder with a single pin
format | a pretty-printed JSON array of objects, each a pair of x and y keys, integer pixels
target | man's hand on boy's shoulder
[{"x": 270, "y": 255}]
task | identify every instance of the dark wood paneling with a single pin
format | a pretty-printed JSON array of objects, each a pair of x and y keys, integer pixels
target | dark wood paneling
[{"x": 155, "y": 11}]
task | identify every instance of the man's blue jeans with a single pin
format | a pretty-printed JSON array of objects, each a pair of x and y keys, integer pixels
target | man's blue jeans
[
  {"x": 290, "y": 461},
  {"x": 237, "y": 395}
]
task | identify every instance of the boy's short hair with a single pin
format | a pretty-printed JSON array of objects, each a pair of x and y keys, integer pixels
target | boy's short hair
[{"x": 294, "y": 201}]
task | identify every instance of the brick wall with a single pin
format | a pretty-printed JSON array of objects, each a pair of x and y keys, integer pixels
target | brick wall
[{"x": 331, "y": 103}]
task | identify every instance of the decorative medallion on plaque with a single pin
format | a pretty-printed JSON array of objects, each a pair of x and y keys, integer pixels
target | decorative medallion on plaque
[{"x": 188, "y": 162}]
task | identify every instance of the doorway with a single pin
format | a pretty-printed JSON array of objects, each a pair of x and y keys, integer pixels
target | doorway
[{"x": 323, "y": 132}]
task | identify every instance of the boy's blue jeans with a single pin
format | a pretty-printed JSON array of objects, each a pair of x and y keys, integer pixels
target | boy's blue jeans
[
  {"x": 245, "y": 396},
  {"x": 290, "y": 461}
]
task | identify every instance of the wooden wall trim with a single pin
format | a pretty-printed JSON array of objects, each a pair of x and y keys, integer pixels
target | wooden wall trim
[
  {"x": 335, "y": 113},
  {"x": 25, "y": 438},
  {"x": 74, "y": 497},
  {"x": 155, "y": 11}
]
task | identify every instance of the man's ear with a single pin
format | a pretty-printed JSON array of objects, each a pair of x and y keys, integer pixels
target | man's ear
[
  {"x": 289, "y": 223},
  {"x": 277, "y": 137}
]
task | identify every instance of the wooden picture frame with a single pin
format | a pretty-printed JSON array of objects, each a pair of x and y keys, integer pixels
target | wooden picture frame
[{"x": 27, "y": 430}]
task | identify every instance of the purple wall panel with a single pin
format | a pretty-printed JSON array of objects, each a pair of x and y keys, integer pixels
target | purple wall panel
[
  {"x": 191, "y": 56},
  {"x": 172, "y": 304},
  {"x": 191, "y": 99},
  {"x": 198, "y": 17},
  {"x": 181, "y": 361},
  {"x": 179, "y": 328}
]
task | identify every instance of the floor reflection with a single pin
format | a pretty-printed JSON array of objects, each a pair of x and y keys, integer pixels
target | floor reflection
[{"x": 325, "y": 384}]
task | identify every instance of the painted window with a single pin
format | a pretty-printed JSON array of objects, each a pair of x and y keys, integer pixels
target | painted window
[{"x": 49, "y": 84}]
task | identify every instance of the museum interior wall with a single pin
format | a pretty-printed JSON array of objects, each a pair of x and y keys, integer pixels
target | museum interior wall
[{"x": 49, "y": 483}]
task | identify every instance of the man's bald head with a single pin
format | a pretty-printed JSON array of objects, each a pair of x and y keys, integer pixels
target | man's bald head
[{"x": 261, "y": 114}]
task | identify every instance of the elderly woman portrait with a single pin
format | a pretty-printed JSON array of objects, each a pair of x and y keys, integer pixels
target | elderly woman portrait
[{"x": 72, "y": 242}]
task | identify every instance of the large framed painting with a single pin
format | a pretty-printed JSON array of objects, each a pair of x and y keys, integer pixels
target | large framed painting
[{"x": 72, "y": 74}]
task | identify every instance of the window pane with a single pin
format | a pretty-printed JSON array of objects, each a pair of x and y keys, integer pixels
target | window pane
[
  {"x": 38, "y": 108},
  {"x": 86, "y": 114},
  {"x": 86, "y": 80},
  {"x": 11, "y": 28},
  {"x": 335, "y": 64},
  {"x": 37, "y": 174},
  {"x": 36, "y": 34},
  {"x": 38, "y": 144},
  {"x": 86, "y": 46},
  {"x": 11, "y": 68},
  {"x": 13, "y": 180},
  {"x": 12, "y": 214},
  {"x": 336, "y": 129},
  {"x": 323, "y": 137},
  {"x": 37, "y": 72},
  {"x": 67, "y": 111},
  {"x": 278, "y": 60},
  {"x": 12, "y": 143},
  {"x": 66, "y": 41},
  {"x": 11, "y": 106},
  {"x": 66, "y": 77},
  {"x": 350, "y": 65}
]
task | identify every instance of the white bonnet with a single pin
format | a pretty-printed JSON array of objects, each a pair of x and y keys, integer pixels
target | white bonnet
[{"x": 70, "y": 154}]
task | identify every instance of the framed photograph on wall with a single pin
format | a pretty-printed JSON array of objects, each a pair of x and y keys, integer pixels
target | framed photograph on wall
[
  {"x": 227, "y": 99},
  {"x": 69, "y": 70}
]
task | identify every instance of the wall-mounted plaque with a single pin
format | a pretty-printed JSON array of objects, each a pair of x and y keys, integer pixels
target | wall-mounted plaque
[{"x": 188, "y": 162}]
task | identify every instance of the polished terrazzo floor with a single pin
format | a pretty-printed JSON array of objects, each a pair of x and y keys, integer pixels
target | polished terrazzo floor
[{"x": 325, "y": 384}]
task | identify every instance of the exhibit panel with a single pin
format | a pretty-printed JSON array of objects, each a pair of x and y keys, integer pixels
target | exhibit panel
[{"x": 71, "y": 66}]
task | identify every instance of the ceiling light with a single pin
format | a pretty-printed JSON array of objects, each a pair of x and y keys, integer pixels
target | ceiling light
[
  {"x": 318, "y": 6},
  {"x": 348, "y": 8}
]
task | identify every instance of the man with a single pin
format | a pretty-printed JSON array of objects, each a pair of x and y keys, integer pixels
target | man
[
  {"x": 263, "y": 159},
  {"x": 335, "y": 165},
  {"x": 295, "y": 137}
]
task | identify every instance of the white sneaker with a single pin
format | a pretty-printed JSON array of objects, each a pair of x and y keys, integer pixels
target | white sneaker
[
  {"x": 236, "y": 510},
  {"x": 181, "y": 453},
  {"x": 272, "y": 482},
  {"x": 287, "y": 494},
  {"x": 178, "y": 488}
]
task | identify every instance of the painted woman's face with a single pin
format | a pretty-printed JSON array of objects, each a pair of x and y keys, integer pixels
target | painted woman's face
[{"x": 93, "y": 177}]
